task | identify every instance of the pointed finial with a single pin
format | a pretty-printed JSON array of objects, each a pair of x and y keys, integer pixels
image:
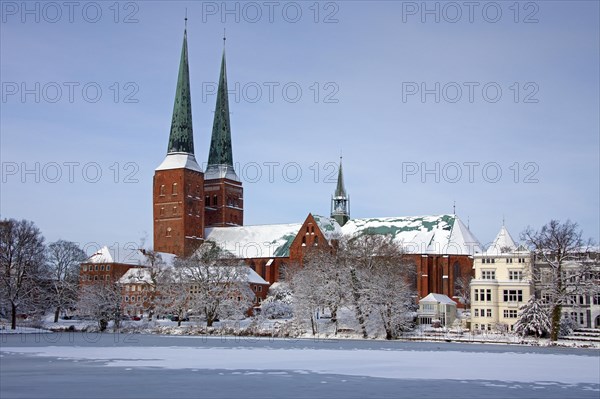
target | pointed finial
[
  {"x": 454, "y": 208},
  {"x": 224, "y": 36},
  {"x": 468, "y": 222},
  {"x": 185, "y": 19},
  {"x": 503, "y": 220}
]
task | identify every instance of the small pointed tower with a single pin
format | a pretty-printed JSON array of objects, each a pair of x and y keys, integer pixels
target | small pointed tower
[
  {"x": 178, "y": 180},
  {"x": 340, "y": 202},
  {"x": 223, "y": 192}
]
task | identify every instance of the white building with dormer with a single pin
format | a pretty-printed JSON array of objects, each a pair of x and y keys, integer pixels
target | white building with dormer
[{"x": 501, "y": 284}]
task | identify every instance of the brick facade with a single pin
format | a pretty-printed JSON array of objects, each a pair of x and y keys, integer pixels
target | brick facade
[
  {"x": 224, "y": 203},
  {"x": 178, "y": 199}
]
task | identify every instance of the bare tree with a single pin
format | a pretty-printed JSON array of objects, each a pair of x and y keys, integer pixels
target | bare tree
[
  {"x": 218, "y": 283},
  {"x": 321, "y": 284},
  {"x": 173, "y": 294},
  {"x": 62, "y": 271},
  {"x": 102, "y": 301},
  {"x": 151, "y": 277},
  {"x": 463, "y": 290},
  {"x": 385, "y": 280},
  {"x": 559, "y": 270},
  {"x": 21, "y": 257}
]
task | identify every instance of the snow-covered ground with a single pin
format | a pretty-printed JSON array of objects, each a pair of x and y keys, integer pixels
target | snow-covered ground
[{"x": 100, "y": 365}]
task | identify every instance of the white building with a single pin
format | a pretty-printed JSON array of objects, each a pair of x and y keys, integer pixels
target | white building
[
  {"x": 501, "y": 284},
  {"x": 437, "y": 307}
]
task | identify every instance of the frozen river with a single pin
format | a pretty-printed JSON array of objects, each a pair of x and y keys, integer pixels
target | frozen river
[{"x": 77, "y": 365}]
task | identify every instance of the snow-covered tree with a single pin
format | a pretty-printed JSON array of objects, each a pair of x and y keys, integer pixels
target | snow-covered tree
[
  {"x": 102, "y": 301},
  {"x": 560, "y": 269},
  {"x": 173, "y": 294},
  {"x": 278, "y": 303},
  {"x": 21, "y": 259},
  {"x": 218, "y": 283},
  {"x": 370, "y": 274},
  {"x": 567, "y": 325},
  {"x": 62, "y": 273},
  {"x": 322, "y": 283},
  {"x": 151, "y": 277},
  {"x": 463, "y": 290},
  {"x": 382, "y": 282},
  {"x": 533, "y": 318}
]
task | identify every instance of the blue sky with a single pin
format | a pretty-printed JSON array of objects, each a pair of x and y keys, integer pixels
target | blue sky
[{"x": 494, "y": 107}]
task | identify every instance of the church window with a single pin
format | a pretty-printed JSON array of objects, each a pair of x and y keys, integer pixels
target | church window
[
  {"x": 174, "y": 188},
  {"x": 162, "y": 190}
]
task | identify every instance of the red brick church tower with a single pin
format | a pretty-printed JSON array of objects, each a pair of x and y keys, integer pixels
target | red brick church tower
[
  {"x": 223, "y": 192},
  {"x": 178, "y": 189}
]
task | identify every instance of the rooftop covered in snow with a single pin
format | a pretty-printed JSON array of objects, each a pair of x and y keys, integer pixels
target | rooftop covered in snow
[
  {"x": 128, "y": 256},
  {"x": 143, "y": 275},
  {"x": 440, "y": 234},
  {"x": 261, "y": 241}
]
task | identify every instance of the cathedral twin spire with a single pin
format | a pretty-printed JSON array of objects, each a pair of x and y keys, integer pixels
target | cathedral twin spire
[{"x": 181, "y": 137}]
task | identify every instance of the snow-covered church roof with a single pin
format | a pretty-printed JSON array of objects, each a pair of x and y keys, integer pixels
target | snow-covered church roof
[
  {"x": 128, "y": 256},
  {"x": 142, "y": 275},
  {"x": 260, "y": 241},
  {"x": 439, "y": 235},
  {"x": 328, "y": 226}
]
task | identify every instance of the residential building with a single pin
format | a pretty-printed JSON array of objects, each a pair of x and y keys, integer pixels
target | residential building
[{"x": 502, "y": 283}]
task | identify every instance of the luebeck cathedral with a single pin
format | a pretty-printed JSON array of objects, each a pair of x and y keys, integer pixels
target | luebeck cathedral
[{"x": 192, "y": 205}]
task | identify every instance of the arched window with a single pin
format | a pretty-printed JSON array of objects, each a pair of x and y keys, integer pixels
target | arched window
[
  {"x": 215, "y": 200},
  {"x": 168, "y": 232},
  {"x": 162, "y": 190},
  {"x": 174, "y": 188}
]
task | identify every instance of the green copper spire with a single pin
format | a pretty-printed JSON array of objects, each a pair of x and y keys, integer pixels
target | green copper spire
[
  {"x": 340, "y": 190},
  {"x": 181, "y": 138},
  {"x": 340, "y": 202},
  {"x": 220, "y": 143}
]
